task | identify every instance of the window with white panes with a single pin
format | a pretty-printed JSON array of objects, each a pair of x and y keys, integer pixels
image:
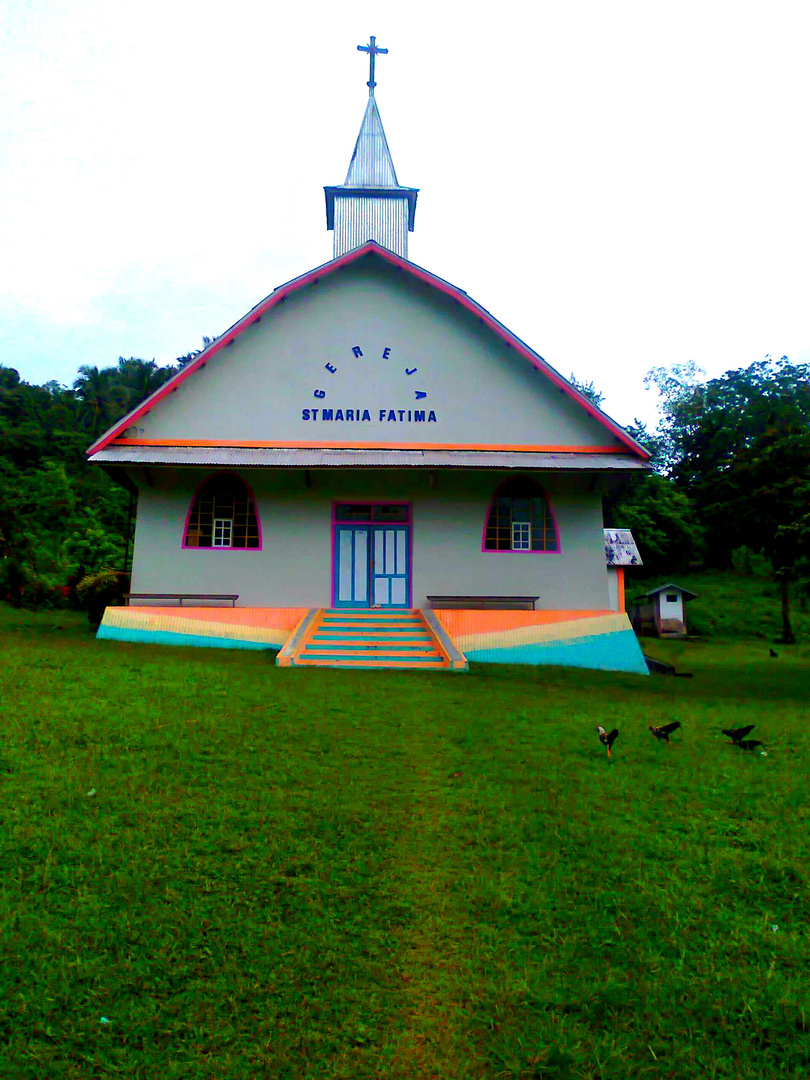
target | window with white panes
[
  {"x": 223, "y": 515},
  {"x": 520, "y": 519},
  {"x": 521, "y": 536},
  {"x": 223, "y": 532}
]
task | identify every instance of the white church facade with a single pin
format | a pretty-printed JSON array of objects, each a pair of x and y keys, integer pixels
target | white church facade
[{"x": 368, "y": 456}]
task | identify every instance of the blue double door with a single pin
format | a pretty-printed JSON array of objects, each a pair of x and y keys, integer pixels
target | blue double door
[{"x": 372, "y": 566}]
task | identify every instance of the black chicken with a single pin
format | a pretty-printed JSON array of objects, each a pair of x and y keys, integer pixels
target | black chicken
[
  {"x": 736, "y": 734},
  {"x": 665, "y": 730},
  {"x": 607, "y": 738}
]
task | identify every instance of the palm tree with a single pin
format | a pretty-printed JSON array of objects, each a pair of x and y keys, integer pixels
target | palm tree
[
  {"x": 100, "y": 394},
  {"x": 140, "y": 378}
]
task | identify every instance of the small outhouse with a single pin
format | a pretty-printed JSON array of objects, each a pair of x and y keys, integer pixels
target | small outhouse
[{"x": 663, "y": 614}]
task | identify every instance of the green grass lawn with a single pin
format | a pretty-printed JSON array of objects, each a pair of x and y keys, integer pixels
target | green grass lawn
[{"x": 291, "y": 873}]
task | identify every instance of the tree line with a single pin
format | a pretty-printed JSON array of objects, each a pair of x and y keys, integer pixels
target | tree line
[
  {"x": 731, "y": 470},
  {"x": 60, "y": 518}
]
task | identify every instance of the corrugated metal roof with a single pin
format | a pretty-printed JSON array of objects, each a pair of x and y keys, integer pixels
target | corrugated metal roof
[
  {"x": 687, "y": 593},
  {"x": 234, "y": 456}
]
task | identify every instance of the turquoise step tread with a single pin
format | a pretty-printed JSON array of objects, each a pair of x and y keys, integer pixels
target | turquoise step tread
[
  {"x": 376, "y": 632},
  {"x": 392, "y": 624},
  {"x": 373, "y": 643},
  {"x": 324, "y": 636},
  {"x": 427, "y": 657},
  {"x": 368, "y": 646},
  {"x": 369, "y": 619},
  {"x": 374, "y": 613},
  {"x": 350, "y": 613},
  {"x": 374, "y": 663},
  {"x": 348, "y": 616},
  {"x": 355, "y": 663},
  {"x": 348, "y": 624}
]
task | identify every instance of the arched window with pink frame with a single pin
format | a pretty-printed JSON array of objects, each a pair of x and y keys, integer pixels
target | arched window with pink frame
[
  {"x": 520, "y": 519},
  {"x": 223, "y": 516}
]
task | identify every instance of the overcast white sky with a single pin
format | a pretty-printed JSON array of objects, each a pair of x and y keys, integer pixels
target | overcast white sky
[{"x": 623, "y": 185}]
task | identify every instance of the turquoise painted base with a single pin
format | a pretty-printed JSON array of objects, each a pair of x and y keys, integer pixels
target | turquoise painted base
[
  {"x": 167, "y": 637},
  {"x": 601, "y": 652}
]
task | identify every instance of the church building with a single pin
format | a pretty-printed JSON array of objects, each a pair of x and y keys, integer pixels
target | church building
[{"x": 368, "y": 469}]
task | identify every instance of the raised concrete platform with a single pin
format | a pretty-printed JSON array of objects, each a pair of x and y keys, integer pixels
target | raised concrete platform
[
  {"x": 209, "y": 627},
  {"x": 601, "y": 640},
  {"x": 430, "y": 640}
]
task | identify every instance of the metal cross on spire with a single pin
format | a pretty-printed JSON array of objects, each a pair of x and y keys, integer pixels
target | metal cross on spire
[{"x": 372, "y": 51}]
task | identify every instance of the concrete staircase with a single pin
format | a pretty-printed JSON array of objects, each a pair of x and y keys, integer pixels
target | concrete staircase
[{"x": 371, "y": 638}]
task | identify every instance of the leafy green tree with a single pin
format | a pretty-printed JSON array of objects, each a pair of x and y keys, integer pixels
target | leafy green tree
[
  {"x": 31, "y": 501},
  {"x": 761, "y": 499},
  {"x": 102, "y": 396},
  {"x": 9, "y": 377},
  {"x": 140, "y": 378},
  {"x": 661, "y": 519},
  {"x": 587, "y": 389},
  {"x": 90, "y": 547},
  {"x": 189, "y": 356},
  {"x": 739, "y": 447},
  {"x": 656, "y": 512},
  {"x": 60, "y": 517},
  {"x": 707, "y": 423}
]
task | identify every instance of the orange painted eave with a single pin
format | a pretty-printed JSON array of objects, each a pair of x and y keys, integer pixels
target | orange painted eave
[{"x": 309, "y": 444}]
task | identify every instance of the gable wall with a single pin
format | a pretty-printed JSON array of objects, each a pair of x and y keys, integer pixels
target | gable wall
[{"x": 481, "y": 391}]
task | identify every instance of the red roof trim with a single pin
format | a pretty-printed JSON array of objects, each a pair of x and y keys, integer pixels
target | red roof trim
[{"x": 283, "y": 291}]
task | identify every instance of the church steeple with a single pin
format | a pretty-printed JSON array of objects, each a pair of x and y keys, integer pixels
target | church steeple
[{"x": 371, "y": 204}]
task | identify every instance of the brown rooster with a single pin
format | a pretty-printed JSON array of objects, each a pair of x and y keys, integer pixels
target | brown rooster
[{"x": 607, "y": 738}]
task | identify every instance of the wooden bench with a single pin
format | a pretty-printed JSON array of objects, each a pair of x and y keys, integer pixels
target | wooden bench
[
  {"x": 180, "y": 597},
  {"x": 484, "y": 603}
]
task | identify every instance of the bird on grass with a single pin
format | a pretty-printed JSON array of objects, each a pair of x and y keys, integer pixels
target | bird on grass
[
  {"x": 773, "y": 654},
  {"x": 665, "y": 730},
  {"x": 607, "y": 738},
  {"x": 737, "y": 734}
]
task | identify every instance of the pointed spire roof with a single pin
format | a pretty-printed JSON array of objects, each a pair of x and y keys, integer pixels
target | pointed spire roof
[
  {"x": 371, "y": 177},
  {"x": 371, "y": 204},
  {"x": 371, "y": 164}
]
